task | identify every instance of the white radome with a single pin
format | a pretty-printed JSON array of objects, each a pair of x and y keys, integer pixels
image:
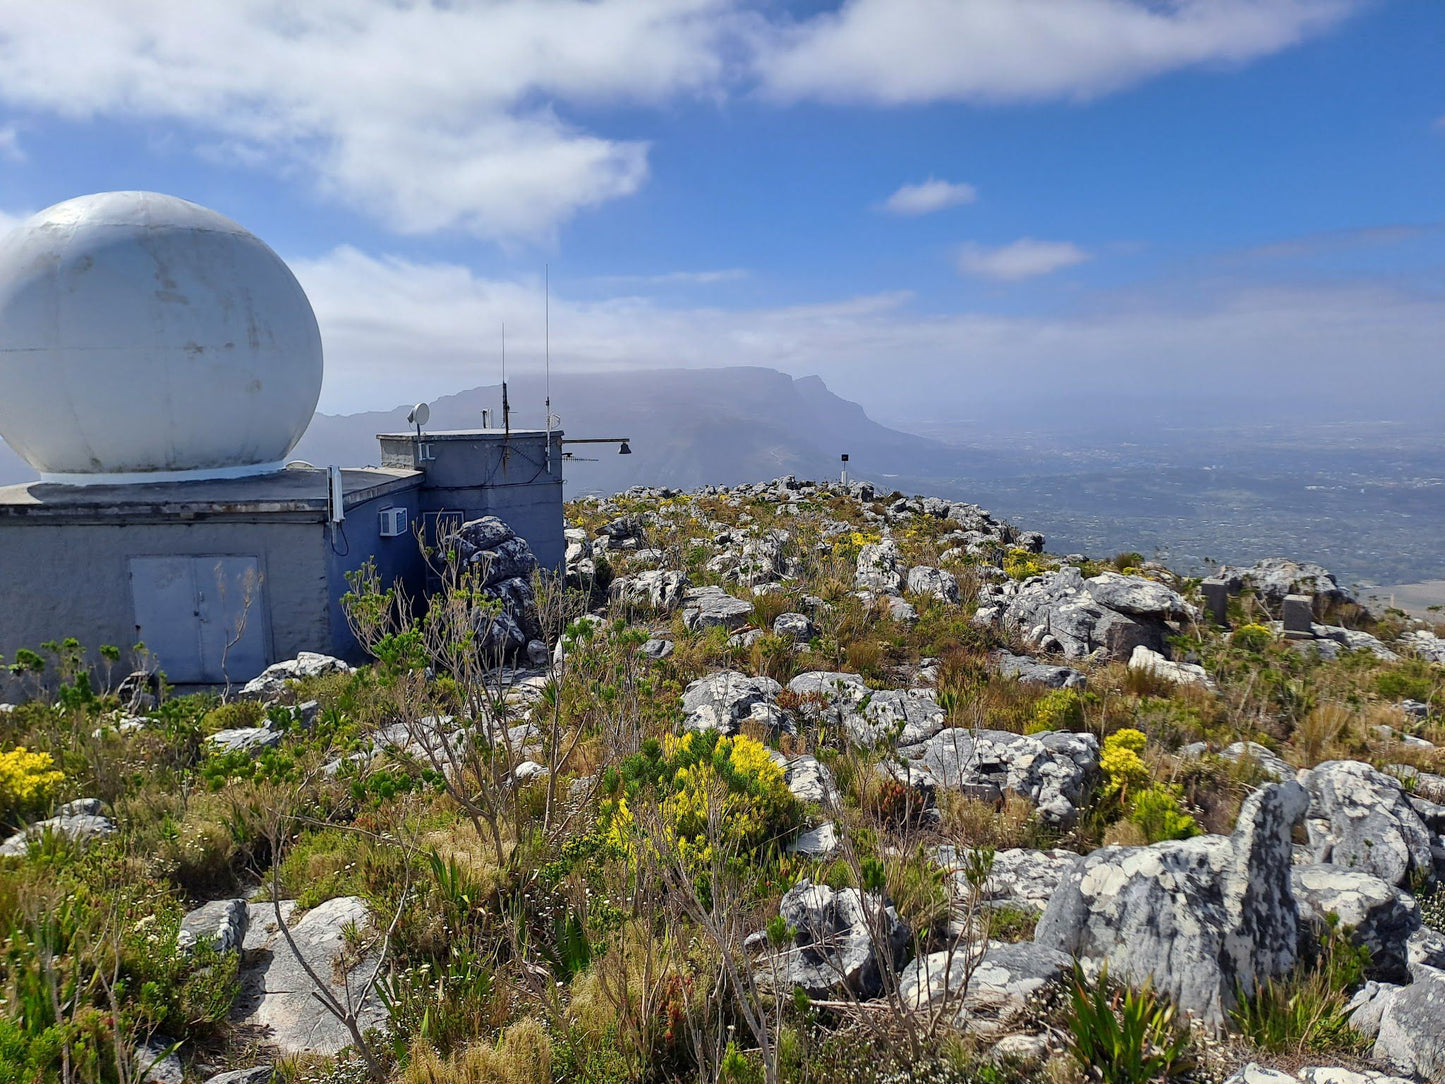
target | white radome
[{"x": 146, "y": 338}]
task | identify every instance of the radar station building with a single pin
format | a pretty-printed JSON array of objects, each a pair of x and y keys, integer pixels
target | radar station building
[{"x": 158, "y": 364}]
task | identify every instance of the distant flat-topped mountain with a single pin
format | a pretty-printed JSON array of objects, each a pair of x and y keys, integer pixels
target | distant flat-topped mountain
[{"x": 688, "y": 427}]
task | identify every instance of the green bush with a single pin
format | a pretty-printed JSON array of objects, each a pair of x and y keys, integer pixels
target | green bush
[
  {"x": 1156, "y": 810},
  {"x": 1124, "y": 1036},
  {"x": 1059, "y": 709}
]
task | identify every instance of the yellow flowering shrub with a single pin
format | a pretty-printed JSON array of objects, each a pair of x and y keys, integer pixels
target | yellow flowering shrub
[
  {"x": 1153, "y": 806},
  {"x": 1020, "y": 564},
  {"x": 1122, "y": 762},
  {"x": 27, "y": 780},
  {"x": 709, "y": 790}
]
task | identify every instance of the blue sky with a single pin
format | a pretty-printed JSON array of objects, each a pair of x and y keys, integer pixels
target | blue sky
[{"x": 980, "y": 209}]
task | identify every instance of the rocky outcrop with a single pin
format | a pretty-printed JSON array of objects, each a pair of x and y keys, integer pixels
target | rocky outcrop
[
  {"x": 1053, "y": 770},
  {"x": 1180, "y": 673},
  {"x": 659, "y": 590},
  {"x": 724, "y": 700},
  {"x": 712, "y": 607},
  {"x": 1032, "y": 672},
  {"x": 1380, "y": 916},
  {"x": 220, "y": 923},
  {"x": 1275, "y": 577},
  {"x": 795, "y": 627},
  {"x": 880, "y": 568},
  {"x": 1411, "y": 1038},
  {"x": 1061, "y": 611},
  {"x": 1201, "y": 917},
  {"x": 843, "y": 941},
  {"x": 1362, "y": 819},
  {"x": 933, "y": 583},
  {"x": 79, "y": 821},
  {"x": 811, "y": 781},
  {"x": 1004, "y": 982},
  {"x": 894, "y": 716},
  {"x": 1019, "y": 878},
  {"x": 503, "y": 564},
  {"x": 277, "y": 993},
  {"x": 272, "y": 682}
]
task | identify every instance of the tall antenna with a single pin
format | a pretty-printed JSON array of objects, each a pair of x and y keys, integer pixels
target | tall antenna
[
  {"x": 547, "y": 354},
  {"x": 506, "y": 406}
]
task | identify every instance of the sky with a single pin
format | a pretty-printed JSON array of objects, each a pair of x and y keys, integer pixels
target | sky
[{"x": 990, "y": 213}]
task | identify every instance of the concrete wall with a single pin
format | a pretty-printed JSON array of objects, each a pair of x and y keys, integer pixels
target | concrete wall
[
  {"x": 94, "y": 604},
  {"x": 397, "y": 558}
]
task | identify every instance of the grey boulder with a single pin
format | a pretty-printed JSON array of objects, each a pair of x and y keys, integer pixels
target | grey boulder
[
  {"x": 1411, "y": 1038},
  {"x": 722, "y": 701},
  {"x": 712, "y": 607},
  {"x": 1004, "y": 982},
  {"x": 898, "y": 716},
  {"x": 1137, "y": 596},
  {"x": 1380, "y": 916},
  {"x": 79, "y": 822},
  {"x": 1032, "y": 672},
  {"x": 221, "y": 923},
  {"x": 272, "y": 681},
  {"x": 933, "y": 582},
  {"x": 656, "y": 589},
  {"x": 1201, "y": 917},
  {"x": 795, "y": 627},
  {"x": 836, "y": 941},
  {"x": 1362, "y": 819}
]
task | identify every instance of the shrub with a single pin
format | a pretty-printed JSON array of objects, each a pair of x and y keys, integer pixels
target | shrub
[
  {"x": 1059, "y": 709},
  {"x": 523, "y": 1056},
  {"x": 1123, "y": 766},
  {"x": 1252, "y": 637},
  {"x": 686, "y": 775},
  {"x": 1020, "y": 564},
  {"x": 1306, "y": 1010},
  {"x": 1413, "y": 680},
  {"x": 1155, "y": 809},
  {"x": 27, "y": 780},
  {"x": 1124, "y": 1036}
]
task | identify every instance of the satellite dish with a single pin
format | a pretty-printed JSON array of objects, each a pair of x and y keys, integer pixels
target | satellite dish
[{"x": 420, "y": 414}]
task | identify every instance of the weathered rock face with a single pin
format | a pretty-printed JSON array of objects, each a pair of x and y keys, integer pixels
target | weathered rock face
[
  {"x": 1180, "y": 673},
  {"x": 79, "y": 821},
  {"x": 1275, "y": 577},
  {"x": 811, "y": 781},
  {"x": 828, "y": 696},
  {"x": 504, "y": 565},
  {"x": 1057, "y": 611},
  {"x": 276, "y": 992},
  {"x": 1032, "y": 672},
  {"x": 712, "y": 607},
  {"x": 1412, "y": 1028},
  {"x": 833, "y": 949},
  {"x": 722, "y": 701},
  {"x": 1381, "y": 916},
  {"x": 1199, "y": 916},
  {"x": 1004, "y": 981},
  {"x": 1053, "y": 770},
  {"x": 880, "y": 568},
  {"x": 1019, "y": 877},
  {"x": 897, "y": 716},
  {"x": 656, "y": 589},
  {"x": 933, "y": 582},
  {"x": 795, "y": 627},
  {"x": 221, "y": 923},
  {"x": 1270, "y": 764},
  {"x": 1137, "y": 596},
  {"x": 271, "y": 682},
  {"x": 1361, "y": 819}
]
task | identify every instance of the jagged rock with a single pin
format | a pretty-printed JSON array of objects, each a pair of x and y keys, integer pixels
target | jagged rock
[
  {"x": 656, "y": 648},
  {"x": 1412, "y": 1028},
  {"x": 832, "y": 949},
  {"x": 157, "y": 1063},
  {"x": 712, "y": 607},
  {"x": 1269, "y": 763},
  {"x": 243, "y": 739},
  {"x": 257, "y": 1074},
  {"x": 817, "y": 842},
  {"x": 1425, "y": 644},
  {"x": 1004, "y": 981},
  {"x": 1275, "y": 577},
  {"x": 1020, "y": 1049},
  {"x": 276, "y": 992},
  {"x": 795, "y": 627},
  {"x": 722, "y": 701},
  {"x": 656, "y": 589},
  {"x": 761, "y": 560},
  {"x": 1361, "y": 819},
  {"x": 220, "y": 922},
  {"x": 811, "y": 781},
  {"x": 933, "y": 582},
  {"x": 1137, "y": 596},
  {"x": 901, "y": 610},
  {"x": 271, "y": 682},
  {"x": 899, "y": 716},
  {"x": 879, "y": 568},
  {"x": 1019, "y": 877},
  {"x": 1380, "y": 916},
  {"x": 1032, "y": 672},
  {"x": 1053, "y": 770},
  {"x": 1056, "y": 612},
  {"x": 1180, "y": 673},
  {"x": 78, "y": 821},
  {"x": 1354, "y": 640},
  {"x": 1368, "y": 1005},
  {"x": 828, "y": 696},
  {"x": 1254, "y": 1073},
  {"x": 1202, "y": 916}
]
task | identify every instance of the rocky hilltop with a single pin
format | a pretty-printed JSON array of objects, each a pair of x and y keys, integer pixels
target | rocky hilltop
[{"x": 783, "y": 781}]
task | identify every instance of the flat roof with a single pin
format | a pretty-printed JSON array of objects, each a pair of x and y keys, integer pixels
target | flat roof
[
  {"x": 295, "y": 489},
  {"x": 468, "y": 434}
]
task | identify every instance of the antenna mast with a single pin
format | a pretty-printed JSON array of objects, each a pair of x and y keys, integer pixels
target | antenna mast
[
  {"x": 547, "y": 355},
  {"x": 506, "y": 406}
]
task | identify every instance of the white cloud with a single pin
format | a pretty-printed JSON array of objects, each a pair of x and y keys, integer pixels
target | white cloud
[
  {"x": 896, "y": 52},
  {"x": 10, "y": 148},
  {"x": 396, "y": 331},
  {"x": 1022, "y": 259},
  {"x": 676, "y": 278},
  {"x": 932, "y": 195},
  {"x": 9, "y": 220},
  {"x": 429, "y": 116}
]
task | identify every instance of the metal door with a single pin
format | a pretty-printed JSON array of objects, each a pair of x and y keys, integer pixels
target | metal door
[{"x": 202, "y": 617}]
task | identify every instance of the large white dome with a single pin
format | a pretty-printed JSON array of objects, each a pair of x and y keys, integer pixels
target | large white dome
[{"x": 145, "y": 338}]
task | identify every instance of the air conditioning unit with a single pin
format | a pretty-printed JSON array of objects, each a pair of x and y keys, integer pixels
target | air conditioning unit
[{"x": 393, "y": 522}]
